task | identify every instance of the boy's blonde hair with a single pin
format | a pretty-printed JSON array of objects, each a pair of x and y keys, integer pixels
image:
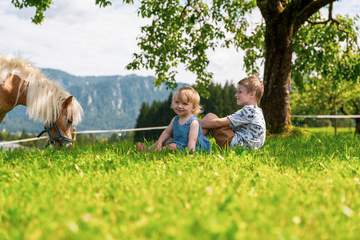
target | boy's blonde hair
[
  {"x": 253, "y": 84},
  {"x": 188, "y": 94}
]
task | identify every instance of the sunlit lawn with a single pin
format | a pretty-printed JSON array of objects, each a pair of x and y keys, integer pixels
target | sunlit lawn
[{"x": 306, "y": 186}]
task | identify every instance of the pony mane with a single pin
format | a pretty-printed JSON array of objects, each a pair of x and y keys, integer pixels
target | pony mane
[{"x": 44, "y": 97}]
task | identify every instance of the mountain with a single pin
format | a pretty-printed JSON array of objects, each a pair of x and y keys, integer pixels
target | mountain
[{"x": 108, "y": 101}]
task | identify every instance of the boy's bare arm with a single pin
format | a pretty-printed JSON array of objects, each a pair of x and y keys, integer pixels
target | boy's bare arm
[{"x": 215, "y": 122}]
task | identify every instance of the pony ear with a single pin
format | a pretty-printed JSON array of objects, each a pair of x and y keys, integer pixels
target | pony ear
[{"x": 67, "y": 102}]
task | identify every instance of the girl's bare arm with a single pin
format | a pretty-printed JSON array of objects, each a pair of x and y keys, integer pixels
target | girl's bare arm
[
  {"x": 166, "y": 134},
  {"x": 193, "y": 135}
]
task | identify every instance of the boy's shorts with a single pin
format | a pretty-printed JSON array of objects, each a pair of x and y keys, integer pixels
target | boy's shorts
[{"x": 223, "y": 136}]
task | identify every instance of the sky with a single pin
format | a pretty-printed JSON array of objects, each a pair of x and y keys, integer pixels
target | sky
[{"x": 83, "y": 39}]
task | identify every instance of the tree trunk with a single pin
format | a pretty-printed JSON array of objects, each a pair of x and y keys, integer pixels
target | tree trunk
[
  {"x": 277, "y": 75},
  {"x": 357, "y": 125}
]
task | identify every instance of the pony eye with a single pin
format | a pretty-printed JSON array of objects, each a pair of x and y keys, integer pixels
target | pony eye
[{"x": 70, "y": 122}]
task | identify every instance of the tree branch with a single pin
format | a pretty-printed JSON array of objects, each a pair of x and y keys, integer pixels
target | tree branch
[
  {"x": 309, "y": 9},
  {"x": 330, "y": 18},
  {"x": 342, "y": 109},
  {"x": 356, "y": 106},
  {"x": 183, "y": 12},
  {"x": 270, "y": 8}
]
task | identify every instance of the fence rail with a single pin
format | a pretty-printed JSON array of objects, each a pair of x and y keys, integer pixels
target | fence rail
[
  {"x": 86, "y": 132},
  {"x": 163, "y": 127},
  {"x": 327, "y": 116}
]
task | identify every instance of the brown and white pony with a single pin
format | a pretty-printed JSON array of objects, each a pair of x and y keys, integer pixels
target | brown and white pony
[{"x": 46, "y": 101}]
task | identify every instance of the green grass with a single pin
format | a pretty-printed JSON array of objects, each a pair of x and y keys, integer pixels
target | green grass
[{"x": 306, "y": 186}]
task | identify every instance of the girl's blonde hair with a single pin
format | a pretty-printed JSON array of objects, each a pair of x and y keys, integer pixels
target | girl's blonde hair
[{"x": 188, "y": 95}]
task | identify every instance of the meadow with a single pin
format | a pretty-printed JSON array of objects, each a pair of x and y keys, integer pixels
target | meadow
[{"x": 303, "y": 186}]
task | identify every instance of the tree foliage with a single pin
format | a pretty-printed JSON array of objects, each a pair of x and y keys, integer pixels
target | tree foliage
[
  {"x": 326, "y": 70},
  {"x": 42, "y": 5},
  {"x": 184, "y": 32},
  {"x": 322, "y": 97},
  {"x": 330, "y": 51}
]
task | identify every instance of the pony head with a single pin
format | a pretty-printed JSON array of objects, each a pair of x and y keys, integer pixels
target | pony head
[{"x": 61, "y": 132}]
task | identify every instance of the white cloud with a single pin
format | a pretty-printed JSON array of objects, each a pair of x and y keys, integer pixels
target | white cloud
[
  {"x": 82, "y": 39},
  {"x": 76, "y": 36},
  {"x": 349, "y": 7}
]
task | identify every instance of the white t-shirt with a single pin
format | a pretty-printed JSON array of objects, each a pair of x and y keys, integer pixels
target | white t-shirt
[{"x": 249, "y": 127}]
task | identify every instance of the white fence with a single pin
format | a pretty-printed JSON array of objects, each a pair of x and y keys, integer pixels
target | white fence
[
  {"x": 163, "y": 127},
  {"x": 327, "y": 116},
  {"x": 86, "y": 132}
]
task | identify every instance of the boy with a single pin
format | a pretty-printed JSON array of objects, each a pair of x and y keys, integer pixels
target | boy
[{"x": 246, "y": 127}]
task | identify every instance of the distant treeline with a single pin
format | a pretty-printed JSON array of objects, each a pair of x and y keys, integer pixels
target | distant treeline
[{"x": 221, "y": 102}]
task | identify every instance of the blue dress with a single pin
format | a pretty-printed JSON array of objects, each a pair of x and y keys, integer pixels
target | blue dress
[{"x": 180, "y": 134}]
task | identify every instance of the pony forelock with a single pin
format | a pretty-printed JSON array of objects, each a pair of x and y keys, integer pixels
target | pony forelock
[{"x": 75, "y": 112}]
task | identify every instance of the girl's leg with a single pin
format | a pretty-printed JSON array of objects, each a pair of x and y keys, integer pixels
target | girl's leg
[
  {"x": 172, "y": 146},
  {"x": 140, "y": 147}
]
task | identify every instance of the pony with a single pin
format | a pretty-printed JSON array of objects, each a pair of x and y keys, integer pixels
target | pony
[{"x": 46, "y": 101}]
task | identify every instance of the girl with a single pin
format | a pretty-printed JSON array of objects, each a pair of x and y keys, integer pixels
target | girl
[{"x": 184, "y": 130}]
